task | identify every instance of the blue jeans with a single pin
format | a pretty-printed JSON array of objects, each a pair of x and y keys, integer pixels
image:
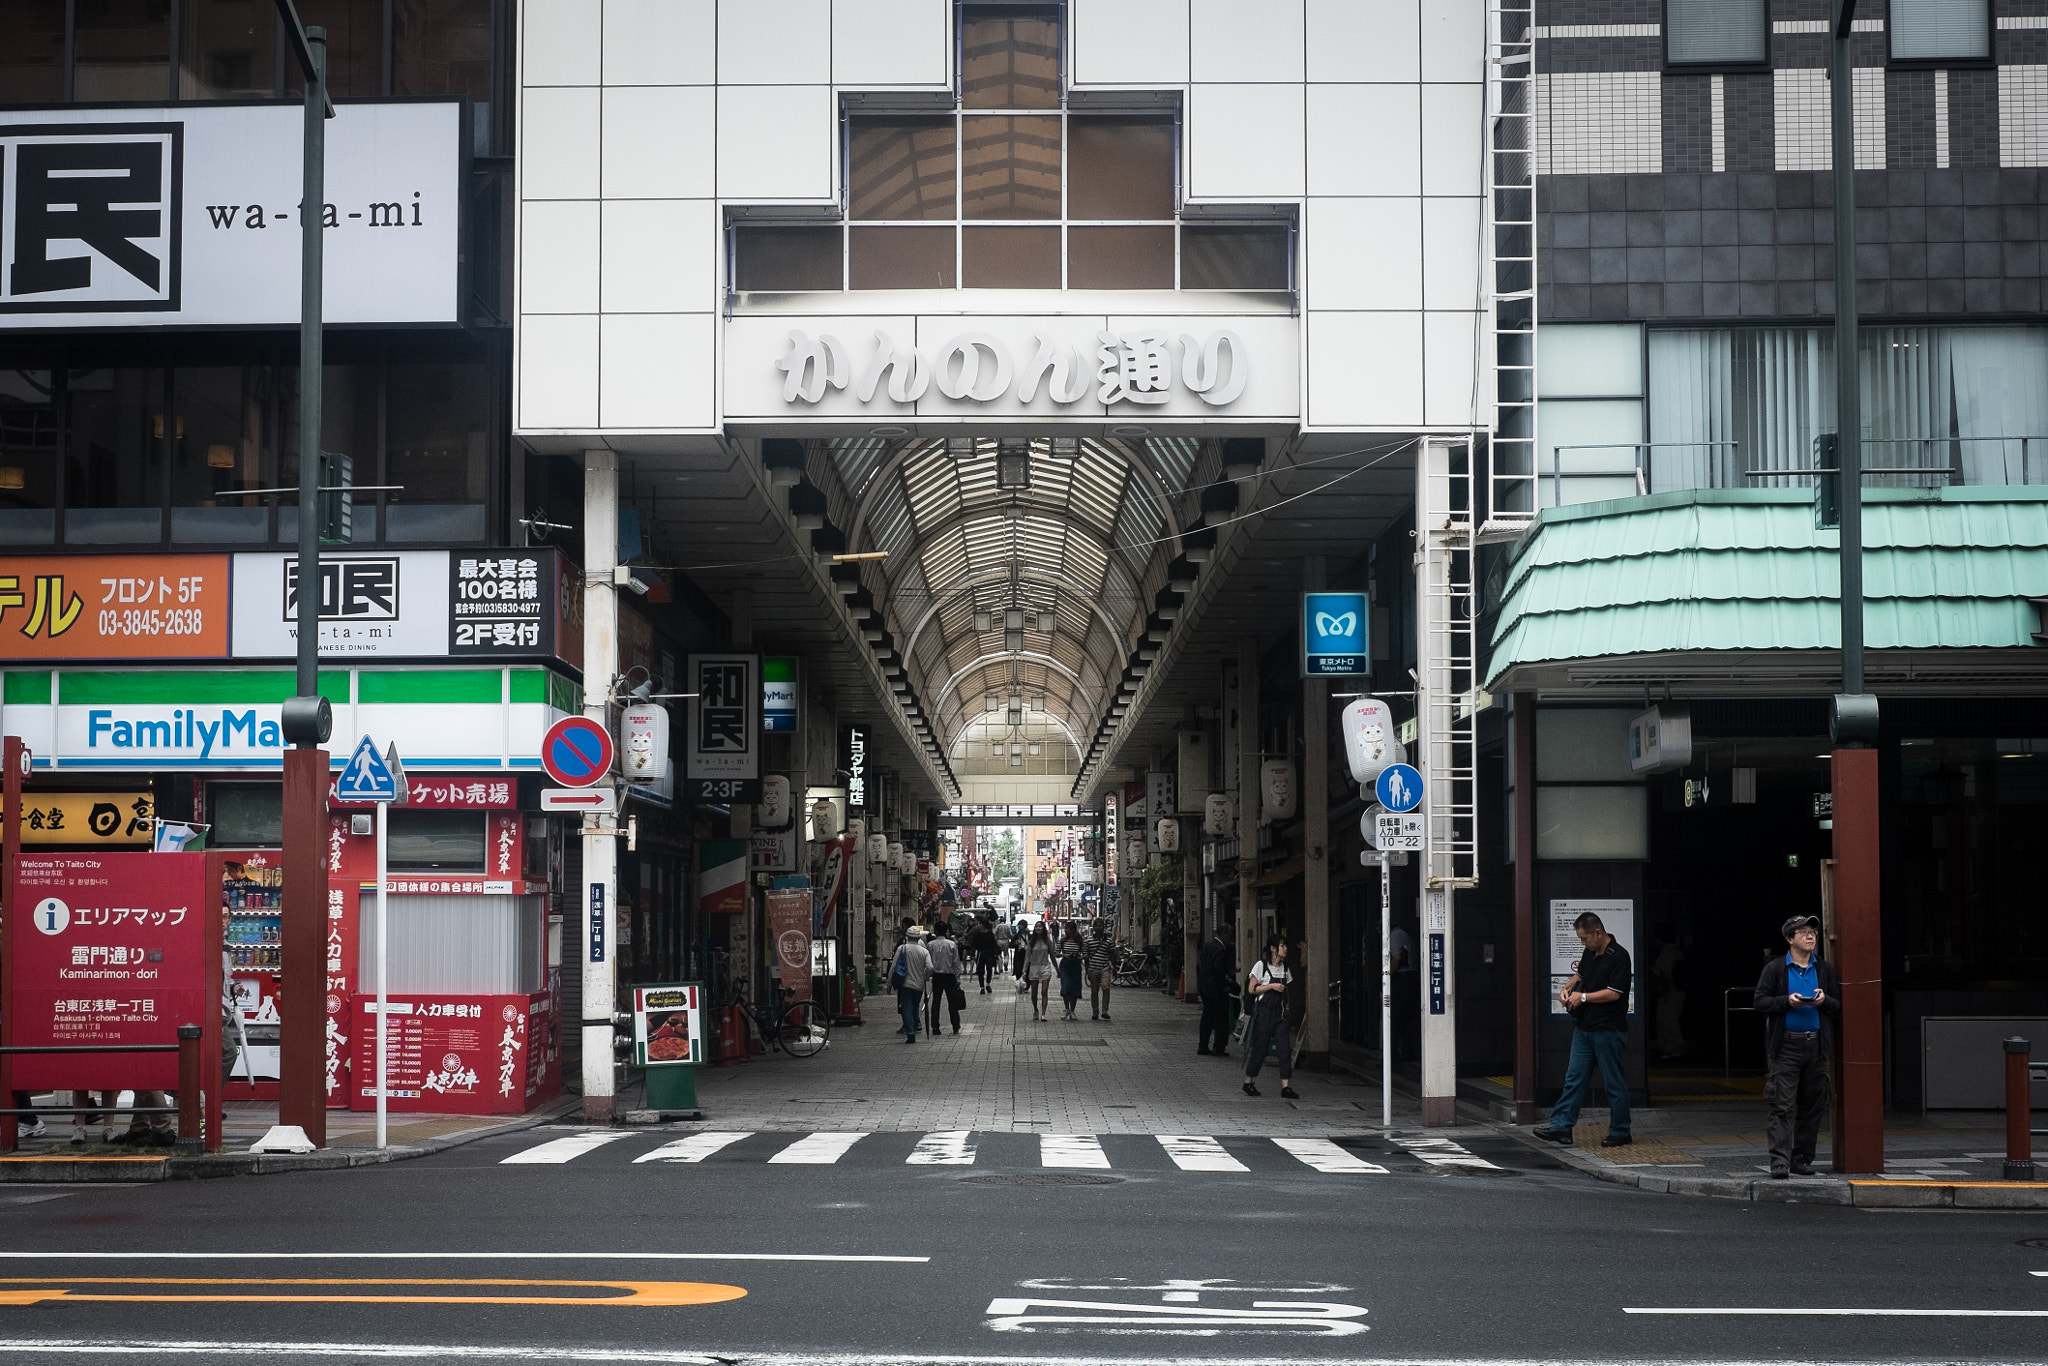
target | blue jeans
[
  {"x": 1606, "y": 1047},
  {"x": 909, "y": 1002}
]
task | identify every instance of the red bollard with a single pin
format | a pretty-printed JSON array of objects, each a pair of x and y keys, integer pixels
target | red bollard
[
  {"x": 189, "y": 1084},
  {"x": 2019, "y": 1137}
]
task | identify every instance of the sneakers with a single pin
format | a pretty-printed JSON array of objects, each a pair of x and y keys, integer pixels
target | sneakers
[
  {"x": 1550, "y": 1134},
  {"x": 1250, "y": 1089},
  {"x": 1290, "y": 1093},
  {"x": 31, "y": 1128},
  {"x": 1780, "y": 1173},
  {"x": 1803, "y": 1166},
  {"x": 1616, "y": 1141}
]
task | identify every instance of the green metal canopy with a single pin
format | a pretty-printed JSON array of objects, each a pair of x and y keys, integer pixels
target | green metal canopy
[{"x": 1710, "y": 583}]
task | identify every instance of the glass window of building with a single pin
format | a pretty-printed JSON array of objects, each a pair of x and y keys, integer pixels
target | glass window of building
[
  {"x": 247, "y": 815},
  {"x": 437, "y": 438},
  {"x": 437, "y": 842},
  {"x": 350, "y": 403},
  {"x": 228, "y": 50},
  {"x": 1940, "y": 30},
  {"x": 1716, "y": 32},
  {"x": 441, "y": 47},
  {"x": 28, "y": 457},
  {"x": 114, "y": 426},
  {"x": 121, "y": 50},
  {"x": 355, "y": 48},
  {"x": 219, "y": 443},
  {"x": 31, "y": 51},
  {"x": 1012, "y": 191}
]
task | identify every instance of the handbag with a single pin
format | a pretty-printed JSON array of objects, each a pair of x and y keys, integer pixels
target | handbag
[{"x": 899, "y": 972}]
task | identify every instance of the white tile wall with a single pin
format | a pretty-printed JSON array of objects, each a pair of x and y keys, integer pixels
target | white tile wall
[
  {"x": 654, "y": 261},
  {"x": 891, "y": 42},
  {"x": 1364, "y": 139},
  {"x": 774, "y": 42},
  {"x": 1245, "y": 142},
  {"x": 561, "y": 42},
  {"x": 1341, "y": 271},
  {"x": 775, "y": 143},
  {"x": 2022, "y": 115},
  {"x": 659, "y": 142},
  {"x": 1454, "y": 40},
  {"x": 1365, "y": 369},
  {"x": 1452, "y": 248},
  {"x": 1802, "y": 121},
  {"x": 558, "y": 144},
  {"x": 1609, "y": 122},
  {"x": 656, "y": 370},
  {"x": 1222, "y": 46},
  {"x": 660, "y": 42},
  {"x": 559, "y": 256},
  {"x": 558, "y": 373},
  {"x": 1129, "y": 42},
  {"x": 1451, "y": 359},
  {"x": 1451, "y": 143},
  {"x": 1364, "y": 40}
]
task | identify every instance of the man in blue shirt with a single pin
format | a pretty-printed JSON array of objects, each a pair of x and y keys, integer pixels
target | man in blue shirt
[{"x": 1799, "y": 999}]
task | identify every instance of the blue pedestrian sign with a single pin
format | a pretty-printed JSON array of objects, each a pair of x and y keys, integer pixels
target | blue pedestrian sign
[
  {"x": 1399, "y": 787},
  {"x": 1334, "y": 635},
  {"x": 366, "y": 778}
]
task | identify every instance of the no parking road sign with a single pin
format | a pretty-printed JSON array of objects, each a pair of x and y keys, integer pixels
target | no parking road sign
[{"x": 576, "y": 751}]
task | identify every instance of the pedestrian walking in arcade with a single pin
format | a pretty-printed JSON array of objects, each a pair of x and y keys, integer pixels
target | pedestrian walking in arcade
[
  {"x": 1214, "y": 974},
  {"x": 1597, "y": 997},
  {"x": 1266, "y": 985},
  {"x": 945, "y": 984},
  {"x": 1038, "y": 969},
  {"x": 1071, "y": 953},
  {"x": 1099, "y": 964},
  {"x": 1018, "y": 939},
  {"x": 911, "y": 972},
  {"x": 982, "y": 944},
  {"x": 1799, "y": 999}
]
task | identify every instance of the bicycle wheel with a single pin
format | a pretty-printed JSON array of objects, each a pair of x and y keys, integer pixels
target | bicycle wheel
[{"x": 806, "y": 1028}]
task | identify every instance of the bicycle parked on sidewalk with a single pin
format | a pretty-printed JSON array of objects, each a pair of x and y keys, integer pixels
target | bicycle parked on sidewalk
[{"x": 798, "y": 1028}]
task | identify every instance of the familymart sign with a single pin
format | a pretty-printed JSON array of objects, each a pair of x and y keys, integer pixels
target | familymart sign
[{"x": 467, "y": 719}]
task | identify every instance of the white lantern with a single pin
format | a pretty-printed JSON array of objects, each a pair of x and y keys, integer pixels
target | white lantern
[
  {"x": 824, "y": 819},
  {"x": 1216, "y": 814},
  {"x": 857, "y": 826},
  {"x": 1370, "y": 740},
  {"x": 1169, "y": 835},
  {"x": 775, "y": 809},
  {"x": 1276, "y": 789},
  {"x": 878, "y": 848},
  {"x": 645, "y": 731},
  {"x": 895, "y": 859}
]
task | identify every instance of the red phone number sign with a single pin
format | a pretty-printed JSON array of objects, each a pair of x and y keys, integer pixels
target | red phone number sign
[{"x": 111, "y": 950}]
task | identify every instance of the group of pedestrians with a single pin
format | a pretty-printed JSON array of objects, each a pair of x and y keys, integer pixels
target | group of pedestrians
[{"x": 929, "y": 964}]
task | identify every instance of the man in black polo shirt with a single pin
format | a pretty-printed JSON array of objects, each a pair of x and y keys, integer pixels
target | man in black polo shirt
[{"x": 1597, "y": 997}]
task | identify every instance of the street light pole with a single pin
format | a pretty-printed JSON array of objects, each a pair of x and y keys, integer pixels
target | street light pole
[
  {"x": 1853, "y": 717},
  {"x": 307, "y": 718}
]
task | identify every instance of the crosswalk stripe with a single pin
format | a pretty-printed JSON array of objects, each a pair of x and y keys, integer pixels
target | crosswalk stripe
[
  {"x": 1071, "y": 1150},
  {"x": 695, "y": 1148},
  {"x": 1441, "y": 1152},
  {"x": 1326, "y": 1156},
  {"x": 949, "y": 1149},
  {"x": 818, "y": 1149},
  {"x": 563, "y": 1149},
  {"x": 1199, "y": 1153}
]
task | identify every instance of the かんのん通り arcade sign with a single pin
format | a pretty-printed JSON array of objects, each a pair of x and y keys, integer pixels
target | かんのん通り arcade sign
[{"x": 111, "y": 949}]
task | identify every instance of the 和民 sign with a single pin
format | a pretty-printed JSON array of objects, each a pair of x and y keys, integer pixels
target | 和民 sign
[{"x": 722, "y": 748}]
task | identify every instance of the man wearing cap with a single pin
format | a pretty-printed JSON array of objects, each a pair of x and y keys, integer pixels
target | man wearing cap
[
  {"x": 1798, "y": 997},
  {"x": 911, "y": 971}
]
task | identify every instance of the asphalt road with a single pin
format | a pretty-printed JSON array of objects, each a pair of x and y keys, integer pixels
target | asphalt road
[{"x": 1139, "y": 1261}]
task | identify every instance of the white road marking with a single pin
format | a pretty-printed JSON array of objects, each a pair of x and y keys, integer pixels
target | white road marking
[
  {"x": 564, "y": 1149},
  {"x": 353, "y": 1351},
  {"x": 694, "y": 1148},
  {"x": 948, "y": 1149},
  {"x": 1199, "y": 1153},
  {"x": 1326, "y": 1156},
  {"x": 1071, "y": 1150},
  {"x": 1790, "y": 1312},
  {"x": 1331, "y": 1320},
  {"x": 465, "y": 1256},
  {"x": 1441, "y": 1152},
  {"x": 819, "y": 1149}
]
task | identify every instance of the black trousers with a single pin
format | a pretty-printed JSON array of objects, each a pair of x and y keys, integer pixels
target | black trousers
[
  {"x": 945, "y": 988},
  {"x": 1269, "y": 1025},
  {"x": 1215, "y": 1023},
  {"x": 984, "y": 968},
  {"x": 1797, "y": 1090}
]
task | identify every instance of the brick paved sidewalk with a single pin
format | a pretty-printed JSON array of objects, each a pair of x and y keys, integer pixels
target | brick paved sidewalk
[{"x": 1138, "y": 1073}]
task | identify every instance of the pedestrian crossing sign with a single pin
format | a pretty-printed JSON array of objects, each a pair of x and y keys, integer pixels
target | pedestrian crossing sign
[{"x": 366, "y": 777}]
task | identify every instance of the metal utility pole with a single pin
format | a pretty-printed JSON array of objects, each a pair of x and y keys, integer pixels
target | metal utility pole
[
  {"x": 1853, "y": 718},
  {"x": 600, "y": 833},
  {"x": 307, "y": 719}
]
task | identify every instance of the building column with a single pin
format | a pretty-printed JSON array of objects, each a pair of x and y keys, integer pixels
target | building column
[
  {"x": 1315, "y": 840},
  {"x": 600, "y": 893},
  {"x": 1435, "y": 703},
  {"x": 1247, "y": 797},
  {"x": 1858, "y": 1144},
  {"x": 1522, "y": 760}
]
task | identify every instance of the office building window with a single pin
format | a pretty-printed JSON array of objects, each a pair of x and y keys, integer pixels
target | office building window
[
  {"x": 1940, "y": 30},
  {"x": 31, "y": 51},
  {"x": 28, "y": 457},
  {"x": 1716, "y": 32},
  {"x": 228, "y": 50},
  {"x": 121, "y": 50}
]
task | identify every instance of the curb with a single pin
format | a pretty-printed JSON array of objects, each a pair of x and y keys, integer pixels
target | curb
[
  {"x": 134, "y": 1170},
  {"x": 1949, "y": 1194},
  {"x": 1810, "y": 1190}
]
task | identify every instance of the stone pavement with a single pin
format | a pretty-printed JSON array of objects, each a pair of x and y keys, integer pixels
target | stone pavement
[{"x": 1005, "y": 1073}]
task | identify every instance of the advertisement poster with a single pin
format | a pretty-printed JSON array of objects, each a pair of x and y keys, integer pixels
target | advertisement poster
[
  {"x": 789, "y": 926},
  {"x": 1619, "y": 917},
  {"x": 88, "y": 818},
  {"x": 668, "y": 1024},
  {"x": 112, "y": 950},
  {"x": 127, "y": 607},
  {"x": 456, "y": 1055}
]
